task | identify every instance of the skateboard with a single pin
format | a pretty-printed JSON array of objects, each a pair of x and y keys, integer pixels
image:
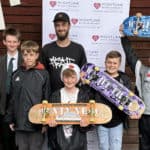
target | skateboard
[
  {"x": 110, "y": 88},
  {"x": 137, "y": 26},
  {"x": 70, "y": 113}
]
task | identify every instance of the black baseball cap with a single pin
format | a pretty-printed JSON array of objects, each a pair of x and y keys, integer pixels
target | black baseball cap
[{"x": 61, "y": 16}]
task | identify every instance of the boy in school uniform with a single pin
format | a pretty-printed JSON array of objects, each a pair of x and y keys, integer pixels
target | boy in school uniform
[
  {"x": 30, "y": 85},
  {"x": 9, "y": 62},
  {"x": 70, "y": 137}
]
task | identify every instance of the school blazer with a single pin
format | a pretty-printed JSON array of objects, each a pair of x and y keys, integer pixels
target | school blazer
[{"x": 3, "y": 76}]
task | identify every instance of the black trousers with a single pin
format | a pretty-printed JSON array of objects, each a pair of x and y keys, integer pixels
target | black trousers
[
  {"x": 144, "y": 130},
  {"x": 7, "y": 137},
  {"x": 29, "y": 140}
]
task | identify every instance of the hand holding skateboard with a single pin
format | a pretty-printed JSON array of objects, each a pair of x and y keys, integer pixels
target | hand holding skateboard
[
  {"x": 137, "y": 26},
  {"x": 114, "y": 91}
]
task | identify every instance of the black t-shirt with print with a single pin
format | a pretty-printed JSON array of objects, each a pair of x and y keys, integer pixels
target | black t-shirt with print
[{"x": 53, "y": 57}]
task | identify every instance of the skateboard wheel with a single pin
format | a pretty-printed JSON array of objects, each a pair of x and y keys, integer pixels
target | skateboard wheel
[
  {"x": 92, "y": 120},
  {"x": 92, "y": 101},
  {"x": 45, "y": 102},
  {"x": 120, "y": 107},
  {"x": 43, "y": 120},
  {"x": 139, "y": 14},
  {"x": 133, "y": 106},
  {"x": 96, "y": 68},
  {"x": 87, "y": 81},
  {"x": 131, "y": 94}
]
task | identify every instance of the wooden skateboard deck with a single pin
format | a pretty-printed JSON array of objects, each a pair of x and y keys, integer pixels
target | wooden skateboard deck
[
  {"x": 137, "y": 26},
  {"x": 110, "y": 88},
  {"x": 71, "y": 113}
]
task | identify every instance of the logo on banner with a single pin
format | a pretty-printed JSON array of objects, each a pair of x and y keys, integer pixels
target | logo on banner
[
  {"x": 52, "y": 36},
  {"x": 74, "y": 21},
  {"x": 97, "y": 5},
  {"x": 95, "y": 37},
  {"x": 105, "y": 38},
  {"x": 52, "y": 3}
]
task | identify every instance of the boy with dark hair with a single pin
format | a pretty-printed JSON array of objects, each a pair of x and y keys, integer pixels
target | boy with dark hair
[
  {"x": 70, "y": 137},
  {"x": 110, "y": 134},
  {"x": 8, "y": 64},
  {"x": 30, "y": 85},
  {"x": 11, "y": 31}
]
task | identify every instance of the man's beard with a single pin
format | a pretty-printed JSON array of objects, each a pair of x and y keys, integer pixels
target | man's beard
[{"x": 61, "y": 38}]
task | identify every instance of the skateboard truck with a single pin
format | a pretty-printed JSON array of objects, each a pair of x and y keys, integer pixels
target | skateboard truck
[
  {"x": 92, "y": 111},
  {"x": 93, "y": 77},
  {"x": 138, "y": 23},
  {"x": 44, "y": 110}
]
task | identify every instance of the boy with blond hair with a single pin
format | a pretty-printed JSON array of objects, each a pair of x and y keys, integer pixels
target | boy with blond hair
[
  {"x": 70, "y": 137},
  {"x": 30, "y": 85}
]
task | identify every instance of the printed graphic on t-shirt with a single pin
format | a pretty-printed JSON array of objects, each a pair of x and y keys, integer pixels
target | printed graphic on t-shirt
[
  {"x": 68, "y": 129},
  {"x": 58, "y": 62}
]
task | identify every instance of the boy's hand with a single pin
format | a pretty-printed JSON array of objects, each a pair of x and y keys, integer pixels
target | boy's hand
[
  {"x": 82, "y": 74},
  {"x": 135, "y": 116},
  {"x": 84, "y": 121},
  {"x": 52, "y": 122},
  {"x": 121, "y": 30},
  {"x": 12, "y": 127}
]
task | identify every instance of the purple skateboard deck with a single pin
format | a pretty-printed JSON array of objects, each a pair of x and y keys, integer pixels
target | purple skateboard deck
[
  {"x": 137, "y": 26},
  {"x": 110, "y": 88}
]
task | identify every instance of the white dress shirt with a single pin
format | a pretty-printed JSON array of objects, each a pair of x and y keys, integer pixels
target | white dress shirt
[{"x": 15, "y": 61}]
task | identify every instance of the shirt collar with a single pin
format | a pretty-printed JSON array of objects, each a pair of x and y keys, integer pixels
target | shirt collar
[{"x": 15, "y": 56}]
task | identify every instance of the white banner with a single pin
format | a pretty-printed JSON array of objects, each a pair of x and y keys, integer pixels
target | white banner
[
  {"x": 2, "y": 23},
  {"x": 94, "y": 24}
]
